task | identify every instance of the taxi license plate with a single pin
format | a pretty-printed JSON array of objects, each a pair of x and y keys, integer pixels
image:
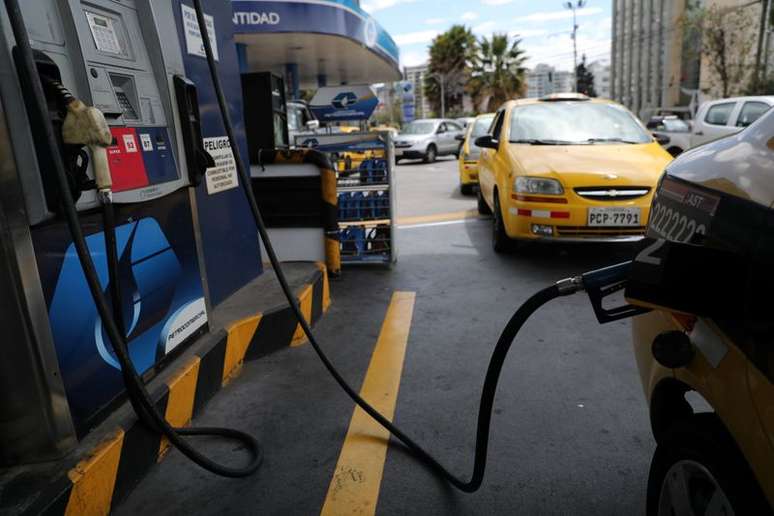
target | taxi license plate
[{"x": 614, "y": 217}]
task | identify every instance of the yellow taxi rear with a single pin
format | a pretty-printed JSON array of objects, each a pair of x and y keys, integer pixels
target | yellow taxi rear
[{"x": 468, "y": 160}]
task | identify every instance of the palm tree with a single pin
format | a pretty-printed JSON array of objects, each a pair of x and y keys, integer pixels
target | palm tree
[
  {"x": 498, "y": 71},
  {"x": 450, "y": 55}
]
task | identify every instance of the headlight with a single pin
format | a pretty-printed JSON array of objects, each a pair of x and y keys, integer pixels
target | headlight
[{"x": 537, "y": 185}]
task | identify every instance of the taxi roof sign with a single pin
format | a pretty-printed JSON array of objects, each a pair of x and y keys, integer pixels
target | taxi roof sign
[{"x": 558, "y": 97}]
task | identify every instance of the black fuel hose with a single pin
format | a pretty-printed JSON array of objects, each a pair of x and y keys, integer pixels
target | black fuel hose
[
  {"x": 498, "y": 356},
  {"x": 136, "y": 391}
]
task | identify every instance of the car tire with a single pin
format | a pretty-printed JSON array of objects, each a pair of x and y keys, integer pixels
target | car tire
[
  {"x": 430, "y": 154},
  {"x": 466, "y": 189},
  {"x": 697, "y": 463},
  {"x": 501, "y": 242},
  {"x": 483, "y": 207}
]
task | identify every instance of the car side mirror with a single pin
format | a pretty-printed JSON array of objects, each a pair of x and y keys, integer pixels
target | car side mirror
[
  {"x": 312, "y": 125},
  {"x": 486, "y": 142},
  {"x": 662, "y": 139},
  {"x": 460, "y": 137}
]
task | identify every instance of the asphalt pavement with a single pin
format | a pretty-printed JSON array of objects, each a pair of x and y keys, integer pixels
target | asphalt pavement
[{"x": 570, "y": 434}]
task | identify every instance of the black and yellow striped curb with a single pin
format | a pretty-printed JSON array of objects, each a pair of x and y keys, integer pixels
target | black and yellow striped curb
[
  {"x": 110, "y": 470},
  {"x": 330, "y": 217}
]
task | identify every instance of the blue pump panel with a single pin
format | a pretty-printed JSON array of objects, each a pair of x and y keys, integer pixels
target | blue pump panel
[
  {"x": 228, "y": 234},
  {"x": 162, "y": 298}
]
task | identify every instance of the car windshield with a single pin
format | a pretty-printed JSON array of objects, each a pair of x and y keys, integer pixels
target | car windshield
[
  {"x": 481, "y": 126},
  {"x": 419, "y": 128},
  {"x": 574, "y": 123}
]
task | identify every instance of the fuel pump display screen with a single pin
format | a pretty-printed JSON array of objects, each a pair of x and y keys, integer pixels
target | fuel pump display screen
[{"x": 140, "y": 157}]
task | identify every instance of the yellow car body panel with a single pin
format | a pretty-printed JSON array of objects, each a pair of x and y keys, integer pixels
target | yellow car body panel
[
  {"x": 605, "y": 166},
  {"x": 730, "y": 389}
]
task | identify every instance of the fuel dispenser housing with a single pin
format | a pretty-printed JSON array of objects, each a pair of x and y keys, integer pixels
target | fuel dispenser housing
[{"x": 182, "y": 248}]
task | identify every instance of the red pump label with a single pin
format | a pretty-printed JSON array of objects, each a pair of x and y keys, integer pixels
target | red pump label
[{"x": 127, "y": 167}]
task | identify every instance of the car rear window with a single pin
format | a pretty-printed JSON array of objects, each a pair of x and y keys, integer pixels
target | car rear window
[
  {"x": 719, "y": 113},
  {"x": 751, "y": 111}
]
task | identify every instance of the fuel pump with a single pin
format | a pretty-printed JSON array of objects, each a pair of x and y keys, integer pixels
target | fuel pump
[{"x": 108, "y": 142}]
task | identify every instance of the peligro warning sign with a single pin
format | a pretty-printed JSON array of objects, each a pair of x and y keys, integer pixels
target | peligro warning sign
[{"x": 223, "y": 176}]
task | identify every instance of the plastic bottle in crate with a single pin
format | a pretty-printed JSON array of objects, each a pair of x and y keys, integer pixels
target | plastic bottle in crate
[
  {"x": 356, "y": 206},
  {"x": 383, "y": 205},
  {"x": 379, "y": 171}
]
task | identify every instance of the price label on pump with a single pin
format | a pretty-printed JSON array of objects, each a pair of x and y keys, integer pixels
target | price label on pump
[{"x": 223, "y": 176}]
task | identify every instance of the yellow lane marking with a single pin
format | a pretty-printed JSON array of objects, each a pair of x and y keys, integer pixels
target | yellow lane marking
[
  {"x": 354, "y": 488},
  {"x": 94, "y": 479},
  {"x": 442, "y": 217}
]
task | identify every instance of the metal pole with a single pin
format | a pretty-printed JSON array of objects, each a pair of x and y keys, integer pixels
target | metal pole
[
  {"x": 443, "y": 97},
  {"x": 767, "y": 34},
  {"x": 575, "y": 48}
]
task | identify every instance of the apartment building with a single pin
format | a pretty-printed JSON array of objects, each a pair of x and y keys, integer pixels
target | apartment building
[{"x": 657, "y": 61}]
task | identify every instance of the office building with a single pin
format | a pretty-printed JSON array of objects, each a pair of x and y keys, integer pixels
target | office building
[{"x": 545, "y": 79}]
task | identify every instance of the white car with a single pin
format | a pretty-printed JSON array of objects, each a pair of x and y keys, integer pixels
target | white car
[
  {"x": 718, "y": 118},
  {"x": 676, "y": 133},
  {"x": 428, "y": 138}
]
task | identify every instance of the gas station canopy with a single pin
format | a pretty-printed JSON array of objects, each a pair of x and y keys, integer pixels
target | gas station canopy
[{"x": 326, "y": 41}]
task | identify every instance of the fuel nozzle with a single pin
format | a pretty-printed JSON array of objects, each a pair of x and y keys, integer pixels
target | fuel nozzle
[
  {"x": 86, "y": 125},
  {"x": 599, "y": 284}
]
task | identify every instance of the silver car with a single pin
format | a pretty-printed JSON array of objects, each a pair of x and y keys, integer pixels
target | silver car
[{"x": 428, "y": 138}]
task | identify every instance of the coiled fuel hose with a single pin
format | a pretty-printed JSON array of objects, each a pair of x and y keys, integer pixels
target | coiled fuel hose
[
  {"x": 509, "y": 333},
  {"x": 136, "y": 391}
]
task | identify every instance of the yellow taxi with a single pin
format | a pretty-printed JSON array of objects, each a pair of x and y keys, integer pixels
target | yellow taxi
[
  {"x": 567, "y": 168},
  {"x": 468, "y": 159},
  {"x": 706, "y": 352}
]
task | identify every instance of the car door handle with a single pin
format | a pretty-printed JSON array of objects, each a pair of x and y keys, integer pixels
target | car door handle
[{"x": 699, "y": 133}]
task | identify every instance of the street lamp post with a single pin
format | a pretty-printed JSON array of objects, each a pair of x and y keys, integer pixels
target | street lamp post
[
  {"x": 574, "y": 7},
  {"x": 441, "y": 79}
]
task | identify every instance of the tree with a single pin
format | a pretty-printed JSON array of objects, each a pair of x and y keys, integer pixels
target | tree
[
  {"x": 585, "y": 79},
  {"x": 726, "y": 47},
  {"x": 498, "y": 71},
  {"x": 450, "y": 56}
]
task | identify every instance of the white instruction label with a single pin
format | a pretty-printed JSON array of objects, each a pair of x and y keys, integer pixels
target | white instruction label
[
  {"x": 223, "y": 176},
  {"x": 146, "y": 142},
  {"x": 193, "y": 37},
  {"x": 130, "y": 143}
]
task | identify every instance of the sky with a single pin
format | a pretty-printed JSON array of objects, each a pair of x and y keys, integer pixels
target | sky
[{"x": 544, "y": 26}]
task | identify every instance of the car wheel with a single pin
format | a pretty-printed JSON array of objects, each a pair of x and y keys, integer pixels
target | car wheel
[
  {"x": 698, "y": 469},
  {"x": 466, "y": 189},
  {"x": 430, "y": 154},
  {"x": 501, "y": 242},
  {"x": 483, "y": 207}
]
